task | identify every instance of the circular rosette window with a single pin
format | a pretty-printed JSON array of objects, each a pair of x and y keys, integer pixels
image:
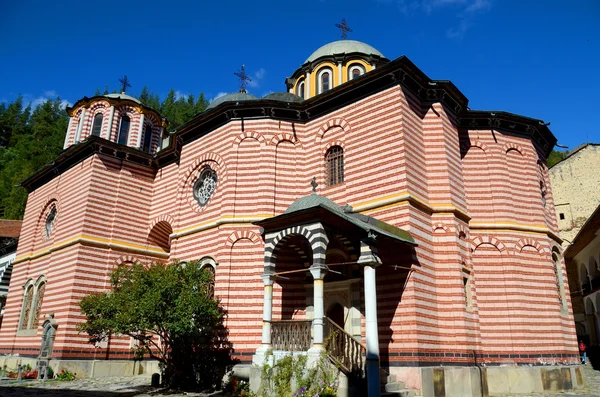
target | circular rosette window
[{"x": 205, "y": 186}]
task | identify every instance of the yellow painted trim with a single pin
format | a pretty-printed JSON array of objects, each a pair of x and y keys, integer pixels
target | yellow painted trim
[
  {"x": 223, "y": 220},
  {"x": 514, "y": 227},
  {"x": 298, "y": 81},
  {"x": 315, "y": 72},
  {"x": 347, "y": 65},
  {"x": 96, "y": 241}
]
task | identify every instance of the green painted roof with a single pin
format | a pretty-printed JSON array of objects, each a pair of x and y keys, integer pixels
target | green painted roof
[
  {"x": 313, "y": 200},
  {"x": 123, "y": 96},
  {"x": 367, "y": 223},
  {"x": 283, "y": 97},
  {"x": 233, "y": 97},
  {"x": 343, "y": 47}
]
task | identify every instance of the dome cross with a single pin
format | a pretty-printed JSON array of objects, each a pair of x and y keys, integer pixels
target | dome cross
[
  {"x": 124, "y": 84},
  {"x": 344, "y": 28},
  {"x": 243, "y": 78}
]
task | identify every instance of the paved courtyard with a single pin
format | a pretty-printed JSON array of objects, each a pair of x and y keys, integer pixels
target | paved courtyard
[{"x": 139, "y": 386}]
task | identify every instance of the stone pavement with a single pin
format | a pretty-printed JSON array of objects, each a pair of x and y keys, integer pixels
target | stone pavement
[{"x": 139, "y": 387}]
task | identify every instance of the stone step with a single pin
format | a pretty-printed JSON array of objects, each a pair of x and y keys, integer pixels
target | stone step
[
  {"x": 394, "y": 386},
  {"x": 399, "y": 393}
]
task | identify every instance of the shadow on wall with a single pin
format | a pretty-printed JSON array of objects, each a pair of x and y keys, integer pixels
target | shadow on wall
[{"x": 593, "y": 353}]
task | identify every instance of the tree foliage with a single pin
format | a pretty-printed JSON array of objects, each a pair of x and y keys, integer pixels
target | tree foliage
[
  {"x": 555, "y": 156},
  {"x": 168, "y": 310},
  {"x": 31, "y": 138}
]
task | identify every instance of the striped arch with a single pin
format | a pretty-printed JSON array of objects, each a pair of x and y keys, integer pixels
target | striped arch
[
  {"x": 124, "y": 259},
  {"x": 162, "y": 218},
  {"x": 477, "y": 241},
  {"x": 337, "y": 122},
  {"x": 40, "y": 230},
  {"x": 252, "y": 135},
  {"x": 462, "y": 230},
  {"x": 465, "y": 146},
  {"x": 314, "y": 233},
  {"x": 277, "y": 139},
  {"x": 242, "y": 234},
  {"x": 513, "y": 146},
  {"x": 190, "y": 176},
  {"x": 522, "y": 243},
  {"x": 160, "y": 232},
  {"x": 332, "y": 144},
  {"x": 97, "y": 105},
  {"x": 440, "y": 228}
]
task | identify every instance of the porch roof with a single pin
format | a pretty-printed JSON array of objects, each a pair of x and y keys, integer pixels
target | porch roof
[{"x": 319, "y": 208}]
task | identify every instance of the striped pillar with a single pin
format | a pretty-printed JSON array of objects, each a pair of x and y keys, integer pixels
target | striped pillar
[
  {"x": 110, "y": 122},
  {"x": 68, "y": 133},
  {"x": 370, "y": 260},
  {"x": 80, "y": 125}
]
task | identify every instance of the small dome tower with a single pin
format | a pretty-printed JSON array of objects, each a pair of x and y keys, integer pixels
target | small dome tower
[{"x": 119, "y": 118}]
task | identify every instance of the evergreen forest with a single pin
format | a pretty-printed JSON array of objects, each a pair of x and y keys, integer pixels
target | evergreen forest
[{"x": 31, "y": 137}]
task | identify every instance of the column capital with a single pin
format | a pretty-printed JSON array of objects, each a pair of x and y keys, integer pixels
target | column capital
[
  {"x": 268, "y": 279},
  {"x": 368, "y": 254},
  {"x": 319, "y": 272}
]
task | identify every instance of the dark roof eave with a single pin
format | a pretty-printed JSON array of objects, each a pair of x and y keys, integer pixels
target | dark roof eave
[
  {"x": 79, "y": 152},
  {"x": 327, "y": 216}
]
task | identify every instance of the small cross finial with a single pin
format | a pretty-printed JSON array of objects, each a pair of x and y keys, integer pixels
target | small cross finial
[
  {"x": 124, "y": 84},
  {"x": 243, "y": 78},
  {"x": 314, "y": 184},
  {"x": 344, "y": 28}
]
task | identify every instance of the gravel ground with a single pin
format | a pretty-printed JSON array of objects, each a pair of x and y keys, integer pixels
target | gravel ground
[{"x": 139, "y": 386}]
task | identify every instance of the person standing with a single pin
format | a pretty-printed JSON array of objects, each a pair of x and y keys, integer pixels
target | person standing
[{"x": 582, "y": 349}]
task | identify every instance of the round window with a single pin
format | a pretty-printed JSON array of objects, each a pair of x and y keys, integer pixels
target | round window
[{"x": 205, "y": 186}]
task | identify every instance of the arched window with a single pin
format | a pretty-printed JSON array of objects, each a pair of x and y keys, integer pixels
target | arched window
[
  {"x": 210, "y": 265},
  {"x": 324, "y": 80},
  {"x": 205, "y": 186},
  {"x": 560, "y": 287},
  {"x": 124, "y": 130},
  {"x": 50, "y": 220},
  {"x": 355, "y": 71},
  {"x": 334, "y": 166},
  {"x": 26, "y": 309},
  {"x": 300, "y": 89},
  {"x": 32, "y": 304},
  {"x": 147, "y": 146},
  {"x": 97, "y": 126}
]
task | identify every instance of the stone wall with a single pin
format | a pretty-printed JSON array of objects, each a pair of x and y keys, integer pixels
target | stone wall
[{"x": 576, "y": 189}]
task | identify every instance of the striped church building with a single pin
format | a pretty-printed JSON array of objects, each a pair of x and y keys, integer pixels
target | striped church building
[{"x": 367, "y": 197}]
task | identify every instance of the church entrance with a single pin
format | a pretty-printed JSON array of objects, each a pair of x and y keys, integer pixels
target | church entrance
[
  {"x": 336, "y": 314},
  {"x": 48, "y": 335}
]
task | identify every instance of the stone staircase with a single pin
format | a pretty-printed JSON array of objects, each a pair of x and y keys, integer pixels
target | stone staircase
[{"x": 391, "y": 387}]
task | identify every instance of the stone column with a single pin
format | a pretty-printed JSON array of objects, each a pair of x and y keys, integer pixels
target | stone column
[
  {"x": 111, "y": 116},
  {"x": 141, "y": 131},
  {"x": 307, "y": 86},
  {"x": 265, "y": 347},
  {"x": 80, "y": 126},
  {"x": 68, "y": 133},
  {"x": 370, "y": 260},
  {"x": 318, "y": 272}
]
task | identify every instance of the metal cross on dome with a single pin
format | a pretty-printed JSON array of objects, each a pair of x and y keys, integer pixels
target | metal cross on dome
[
  {"x": 344, "y": 28},
  {"x": 124, "y": 84},
  {"x": 243, "y": 78}
]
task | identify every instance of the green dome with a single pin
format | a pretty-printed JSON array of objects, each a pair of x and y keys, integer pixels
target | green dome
[
  {"x": 311, "y": 201},
  {"x": 344, "y": 47},
  {"x": 122, "y": 97},
  {"x": 284, "y": 97},
  {"x": 234, "y": 97}
]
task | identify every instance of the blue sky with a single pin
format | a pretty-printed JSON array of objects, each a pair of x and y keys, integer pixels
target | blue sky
[{"x": 535, "y": 58}]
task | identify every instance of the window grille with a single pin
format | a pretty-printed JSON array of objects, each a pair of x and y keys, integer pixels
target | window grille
[{"x": 334, "y": 166}]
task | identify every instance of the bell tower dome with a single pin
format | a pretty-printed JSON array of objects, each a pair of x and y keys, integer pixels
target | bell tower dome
[
  {"x": 332, "y": 65},
  {"x": 118, "y": 118}
]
